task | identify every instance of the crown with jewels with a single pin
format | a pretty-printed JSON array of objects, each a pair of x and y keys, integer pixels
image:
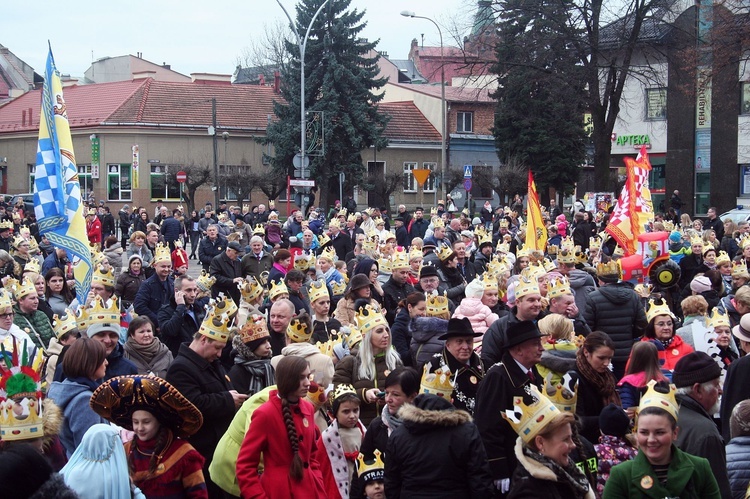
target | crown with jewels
[
  {"x": 564, "y": 393},
  {"x": 323, "y": 239},
  {"x": 489, "y": 281},
  {"x": 335, "y": 223},
  {"x": 369, "y": 317},
  {"x": 33, "y": 265},
  {"x": 581, "y": 256},
  {"x": 558, "y": 286},
  {"x": 326, "y": 348},
  {"x": 303, "y": 262},
  {"x": 437, "y": 305},
  {"x": 161, "y": 254},
  {"x": 415, "y": 252},
  {"x": 655, "y": 397},
  {"x": 549, "y": 265},
  {"x": 445, "y": 253},
  {"x": 722, "y": 258},
  {"x": 503, "y": 224},
  {"x": 6, "y": 224},
  {"x": 370, "y": 243},
  {"x": 595, "y": 243},
  {"x": 97, "y": 257},
  {"x": 744, "y": 241},
  {"x": 522, "y": 252},
  {"x": 341, "y": 390},
  {"x": 696, "y": 240},
  {"x": 384, "y": 265},
  {"x": 24, "y": 288},
  {"x": 329, "y": 253},
  {"x": 656, "y": 308},
  {"x": 65, "y": 324},
  {"x": 372, "y": 470},
  {"x": 567, "y": 244},
  {"x": 101, "y": 313},
  {"x": 103, "y": 277},
  {"x": 277, "y": 288},
  {"x": 437, "y": 382},
  {"x": 317, "y": 290},
  {"x": 343, "y": 212},
  {"x": 19, "y": 240},
  {"x": 438, "y": 223},
  {"x": 433, "y": 211},
  {"x": 399, "y": 259},
  {"x": 259, "y": 230},
  {"x": 526, "y": 286},
  {"x": 254, "y": 329},
  {"x": 350, "y": 336},
  {"x": 351, "y": 218},
  {"x": 528, "y": 420},
  {"x": 502, "y": 247},
  {"x": 215, "y": 326},
  {"x": 21, "y": 415},
  {"x": 388, "y": 236},
  {"x": 82, "y": 318},
  {"x": 739, "y": 269},
  {"x": 717, "y": 318},
  {"x": 566, "y": 256},
  {"x": 223, "y": 305},
  {"x": 338, "y": 288},
  {"x": 205, "y": 281},
  {"x": 533, "y": 271},
  {"x": 299, "y": 330},
  {"x": 6, "y": 299},
  {"x": 378, "y": 221},
  {"x": 251, "y": 290},
  {"x": 611, "y": 268},
  {"x": 498, "y": 266}
]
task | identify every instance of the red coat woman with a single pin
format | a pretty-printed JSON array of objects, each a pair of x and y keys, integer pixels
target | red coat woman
[{"x": 283, "y": 430}]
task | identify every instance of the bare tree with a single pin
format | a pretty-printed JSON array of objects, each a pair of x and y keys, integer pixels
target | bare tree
[
  {"x": 199, "y": 173},
  {"x": 384, "y": 186},
  {"x": 270, "y": 183},
  {"x": 266, "y": 50},
  {"x": 510, "y": 179}
]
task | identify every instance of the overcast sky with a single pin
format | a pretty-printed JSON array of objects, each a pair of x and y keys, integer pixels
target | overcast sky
[{"x": 192, "y": 38}]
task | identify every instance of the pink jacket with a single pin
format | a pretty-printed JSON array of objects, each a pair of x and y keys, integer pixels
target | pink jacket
[{"x": 479, "y": 314}]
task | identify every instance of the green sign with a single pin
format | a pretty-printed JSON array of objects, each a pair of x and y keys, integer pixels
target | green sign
[{"x": 633, "y": 140}]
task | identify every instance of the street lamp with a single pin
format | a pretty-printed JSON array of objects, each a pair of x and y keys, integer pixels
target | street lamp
[
  {"x": 444, "y": 131},
  {"x": 225, "y": 136}
]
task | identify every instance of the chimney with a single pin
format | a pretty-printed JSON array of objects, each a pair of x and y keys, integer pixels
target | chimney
[
  {"x": 165, "y": 65},
  {"x": 262, "y": 80},
  {"x": 23, "y": 117},
  {"x": 31, "y": 120},
  {"x": 276, "y": 82}
]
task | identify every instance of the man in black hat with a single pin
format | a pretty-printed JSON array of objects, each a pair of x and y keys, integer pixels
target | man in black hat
[
  {"x": 505, "y": 380},
  {"x": 227, "y": 269},
  {"x": 459, "y": 358},
  {"x": 402, "y": 236},
  {"x": 696, "y": 377},
  {"x": 482, "y": 257}
]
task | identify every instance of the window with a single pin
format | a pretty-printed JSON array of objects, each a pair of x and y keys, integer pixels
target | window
[
  {"x": 410, "y": 183},
  {"x": 656, "y": 103},
  {"x": 228, "y": 189},
  {"x": 464, "y": 122},
  {"x": 84, "y": 178},
  {"x": 32, "y": 169},
  {"x": 118, "y": 182},
  {"x": 745, "y": 109},
  {"x": 163, "y": 187},
  {"x": 702, "y": 192}
]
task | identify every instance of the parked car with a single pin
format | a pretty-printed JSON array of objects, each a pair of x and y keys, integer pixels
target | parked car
[
  {"x": 740, "y": 214},
  {"x": 28, "y": 200}
]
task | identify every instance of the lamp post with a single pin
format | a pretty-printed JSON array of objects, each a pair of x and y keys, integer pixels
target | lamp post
[
  {"x": 302, "y": 43},
  {"x": 444, "y": 131},
  {"x": 225, "y": 136}
]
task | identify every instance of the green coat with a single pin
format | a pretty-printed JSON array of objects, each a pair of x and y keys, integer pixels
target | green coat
[
  {"x": 688, "y": 477},
  {"x": 36, "y": 325}
]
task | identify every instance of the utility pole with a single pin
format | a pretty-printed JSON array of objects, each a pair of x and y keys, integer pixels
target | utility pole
[{"x": 216, "y": 153}]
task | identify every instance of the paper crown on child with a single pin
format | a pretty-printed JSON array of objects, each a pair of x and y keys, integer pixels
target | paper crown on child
[
  {"x": 254, "y": 329},
  {"x": 437, "y": 305},
  {"x": 558, "y": 286},
  {"x": 317, "y": 290},
  {"x": 251, "y": 290},
  {"x": 277, "y": 288},
  {"x": 299, "y": 330},
  {"x": 717, "y": 318},
  {"x": 369, "y": 317},
  {"x": 564, "y": 393},
  {"x": 437, "y": 382},
  {"x": 371, "y": 470},
  {"x": 656, "y": 308},
  {"x": 21, "y": 415},
  {"x": 528, "y": 420},
  {"x": 103, "y": 277},
  {"x": 661, "y": 396},
  {"x": 161, "y": 254},
  {"x": 526, "y": 286},
  {"x": 341, "y": 390},
  {"x": 326, "y": 348},
  {"x": 205, "y": 281},
  {"x": 65, "y": 324}
]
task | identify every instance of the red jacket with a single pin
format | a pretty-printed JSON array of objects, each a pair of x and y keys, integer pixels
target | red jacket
[
  {"x": 267, "y": 435},
  {"x": 94, "y": 231},
  {"x": 671, "y": 354}
]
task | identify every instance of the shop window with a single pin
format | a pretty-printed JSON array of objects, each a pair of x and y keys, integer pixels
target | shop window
[{"x": 162, "y": 185}]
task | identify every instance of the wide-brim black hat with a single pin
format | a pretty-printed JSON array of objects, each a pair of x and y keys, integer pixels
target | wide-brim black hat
[
  {"x": 118, "y": 398},
  {"x": 521, "y": 331},
  {"x": 459, "y": 328}
]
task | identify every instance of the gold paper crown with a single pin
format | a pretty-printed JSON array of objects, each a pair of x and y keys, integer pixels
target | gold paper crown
[
  {"x": 6, "y": 299},
  {"x": 567, "y": 244},
  {"x": 338, "y": 288},
  {"x": 548, "y": 265},
  {"x": 369, "y": 317},
  {"x": 489, "y": 281},
  {"x": 744, "y": 241},
  {"x": 498, "y": 266},
  {"x": 483, "y": 237},
  {"x": 522, "y": 252},
  {"x": 643, "y": 290},
  {"x": 251, "y": 289},
  {"x": 610, "y": 269},
  {"x": 100, "y": 313},
  {"x": 351, "y": 337},
  {"x": 103, "y": 277},
  {"x": 717, "y": 318},
  {"x": 581, "y": 256},
  {"x": 618, "y": 251},
  {"x": 6, "y": 224},
  {"x": 351, "y": 218},
  {"x": 341, "y": 390},
  {"x": 503, "y": 224},
  {"x": 595, "y": 243},
  {"x": 696, "y": 240},
  {"x": 564, "y": 394},
  {"x": 438, "y": 223},
  {"x": 370, "y": 243},
  {"x": 330, "y": 253},
  {"x": 528, "y": 420},
  {"x": 19, "y": 240},
  {"x": 205, "y": 281},
  {"x": 654, "y": 398},
  {"x": 97, "y": 257},
  {"x": 739, "y": 269},
  {"x": 215, "y": 327},
  {"x": 223, "y": 305},
  {"x": 415, "y": 252},
  {"x": 557, "y": 287},
  {"x": 668, "y": 225},
  {"x": 33, "y": 265},
  {"x": 65, "y": 324},
  {"x": 526, "y": 286},
  {"x": 399, "y": 259},
  {"x": 25, "y": 288},
  {"x": 722, "y": 258},
  {"x": 277, "y": 288},
  {"x": 335, "y": 223},
  {"x": 378, "y": 221},
  {"x": 433, "y": 211},
  {"x": 317, "y": 290},
  {"x": 298, "y": 330},
  {"x": 259, "y": 230},
  {"x": 437, "y": 305},
  {"x": 654, "y": 309},
  {"x": 20, "y": 395},
  {"x": 303, "y": 262},
  {"x": 437, "y": 382},
  {"x": 323, "y": 239},
  {"x": 342, "y": 213},
  {"x": 445, "y": 253},
  {"x": 372, "y": 470},
  {"x": 82, "y": 318},
  {"x": 12, "y": 285},
  {"x": 533, "y": 271},
  {"x": 384, "y": 265},
  {"x": 254, "y": 329},
  {"x": 161, "y": 254}
]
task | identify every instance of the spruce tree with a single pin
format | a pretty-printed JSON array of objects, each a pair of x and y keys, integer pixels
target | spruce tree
[{"x": 340, "y": 80}]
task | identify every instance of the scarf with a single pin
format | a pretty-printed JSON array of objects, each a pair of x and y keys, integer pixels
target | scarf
[
  {"x": 603, "y": 382},
  {"x": 147, "y": 352},
  {"x": 82, "y": 380},
  {"x": 569, "y": 474},
  {"x": 389, "y": 420}
]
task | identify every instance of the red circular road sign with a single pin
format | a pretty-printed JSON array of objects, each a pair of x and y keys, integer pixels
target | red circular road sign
[
  {"x": 181, "y": 177},
  {"x": 467, "y": 184}
]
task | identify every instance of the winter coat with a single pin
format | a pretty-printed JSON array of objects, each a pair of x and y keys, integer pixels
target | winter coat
[
  {"x": 688, "y": 477},
  {"x": 581, "y": 283},
  {"x": 127, "y": 287},
  {"x": 345, "y": 312},
  {"x": 151, "y": 295},
  {"x": 35, "y": 322},
  {"x": 736, "y": 389},
  {"x": 699, "y": 436},
  {"x": 320, "y": 364},
  {"x": 347, "y": 371},
  {"x": 611, "y": 451},
  {"x": 268, "y": 435},
  {"x": 464, "y": 377},
  {"x": 494, "y": 340},
  {"x": 157, "y": 365},
  {"x": 206, "y": 386},
  {"x": 208, "y": 249},
  {"x": 171, "y": 228},
  {"x": 617, "y": 310},
  {"x": 393, "y": 293},
  {"x": 479, "y": 314},
  {"x": 114, "y": 257},
  {"x": 225, "y": 270},
  {"x": 436, "y": 453},
  {"x": 54, "y": 488},
  {"x": 118, "y": 365},
  {"x": 73, "y": 398},
  {"x": 58, "y": 304},
  {"x": 557, "y": 359},
  {"x": 274, "y": 234},
  {"x": 176, "y": 326},
  {"x": 424, "y": 339},
  {"x": 589, "y": 406},
  {"x": 144, "y": 253},
  {"x": 253, "y": 266},
  {"x": 401, "y": 336},
  {"x": 676, "y": 350},
  {"x": 532, "y": 480},
  {"x": 738, "y": 465}
]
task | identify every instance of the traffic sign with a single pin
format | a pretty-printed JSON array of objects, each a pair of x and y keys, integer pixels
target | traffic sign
[
  {"x": 467, "y": 184},
  {"x": 295, "y": 182},
  {"x": 181, "y": 177},
  {"x": 297, "y": 161},
  {"x": 467, "y": 171}
]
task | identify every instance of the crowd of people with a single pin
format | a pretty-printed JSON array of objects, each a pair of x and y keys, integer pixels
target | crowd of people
[{"x": 427, "y": 353}]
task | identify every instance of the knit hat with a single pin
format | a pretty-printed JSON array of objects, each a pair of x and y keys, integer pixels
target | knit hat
[
  {"x": 700, "y": 284},
  {"x": 614, "y": 421},
  {"x": 475, "y": 289},
  {"x": 695, "y": 367},
  {"x": 675, "y": 236},
  {"x": 476, "y": 221}
]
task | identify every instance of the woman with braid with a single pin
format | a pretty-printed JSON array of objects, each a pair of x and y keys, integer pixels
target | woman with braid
[{"x": 283, "y": 430}]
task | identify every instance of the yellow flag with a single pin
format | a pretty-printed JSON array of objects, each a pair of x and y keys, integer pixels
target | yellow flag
[{"x": 536, "y": 231}]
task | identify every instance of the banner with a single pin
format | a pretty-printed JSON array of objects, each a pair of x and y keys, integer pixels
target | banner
[
  {"x": 57, "y": 191},
  {"x": 536, "y": 231},
  {"x": 136, "y": 164}
]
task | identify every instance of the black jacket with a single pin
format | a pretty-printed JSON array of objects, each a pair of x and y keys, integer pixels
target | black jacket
[
  {"x": 208, "y": 249},
  {"x": 224, "y": 269},
  {"x": 176, "y": 325},
  {"x": 342, "y": 243},
  {"x": 393, "y": 293},
  {"x": 401, "y": 336},
  {"x": 496, "y": 336},
  {"x": 151, "y": 296},
  {"x": 436, "y": 453},
  {"x": 207, "y": 387}
]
